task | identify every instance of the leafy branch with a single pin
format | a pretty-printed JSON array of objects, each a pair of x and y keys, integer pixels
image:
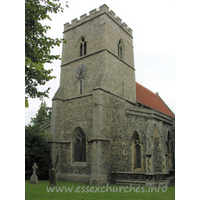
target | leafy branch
[{"x": 38, "y": 46}]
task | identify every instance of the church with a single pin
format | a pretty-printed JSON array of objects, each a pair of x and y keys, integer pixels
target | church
[{"x": 105, "y": 126}]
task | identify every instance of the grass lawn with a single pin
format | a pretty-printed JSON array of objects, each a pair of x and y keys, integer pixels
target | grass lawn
[{"x": 81, "y": 191}]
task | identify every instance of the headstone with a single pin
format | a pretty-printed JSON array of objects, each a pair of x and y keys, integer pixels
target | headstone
[
  {"x": 34, "y": 178},
  {"x": 52, "y": 177}
]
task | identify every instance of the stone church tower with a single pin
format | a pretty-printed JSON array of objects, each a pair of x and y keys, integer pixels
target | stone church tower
[{"x": 101, "y": 131}]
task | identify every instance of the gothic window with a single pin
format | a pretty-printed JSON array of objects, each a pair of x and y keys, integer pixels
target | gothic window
[
  {"x": 120, "y": 49},
  {"x": 137, "y": 151},
  {"x": 83, "y": 47},
  {"x": 79, "y": 146}
]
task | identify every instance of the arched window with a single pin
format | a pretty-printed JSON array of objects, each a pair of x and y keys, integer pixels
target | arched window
[
  {"x": 137, "y": 151},
  {"x": 83, "y": 47},
  {"x": 137, "y": 154},
  {"x": 120, "y": 49},
  {"x": 79, "y": 146}
]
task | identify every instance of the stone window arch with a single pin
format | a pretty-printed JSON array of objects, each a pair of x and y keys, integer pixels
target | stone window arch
[
  {"x": 83, "y": 46},
  {"x": 137, "y": 148},
  {"x": 137, "y": 165},
  {"x": 79, "y": 145}
]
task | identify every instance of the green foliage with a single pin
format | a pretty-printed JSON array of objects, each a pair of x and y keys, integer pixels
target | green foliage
[
  {"x": 38, "y": 45},
  {"x": 43, "y": 115},
  {"x": 26, "y": 103},
  {"x": 37, "y": 148},
  {"x": 35, "y": 75},
  {"x": 47, "y": 136}
]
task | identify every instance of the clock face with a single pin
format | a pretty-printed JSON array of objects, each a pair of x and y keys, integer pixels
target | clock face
[{"x": 80, "y": 71}]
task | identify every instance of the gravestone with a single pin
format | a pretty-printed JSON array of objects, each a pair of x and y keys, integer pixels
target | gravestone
[
  {"x": 34, "y": 178},
  {"x": 52, "y": 178}
]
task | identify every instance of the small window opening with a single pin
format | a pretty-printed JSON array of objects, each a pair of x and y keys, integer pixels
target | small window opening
[
  {"x": 138, "y": 151},
  {"x": 120, "y": 49},
  {"x": 81, "y": 87},
  {"x": 83, "y": 47}
]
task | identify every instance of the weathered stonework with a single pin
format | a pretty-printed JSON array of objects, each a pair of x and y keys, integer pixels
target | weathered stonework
[{"x": 123, "y": 140}]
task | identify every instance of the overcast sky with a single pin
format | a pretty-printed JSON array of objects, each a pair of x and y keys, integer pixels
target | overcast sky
[{"x": 153, "y": 28}]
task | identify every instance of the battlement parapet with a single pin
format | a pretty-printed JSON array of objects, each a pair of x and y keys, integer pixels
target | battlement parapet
[{"x": 94, "y": 13}]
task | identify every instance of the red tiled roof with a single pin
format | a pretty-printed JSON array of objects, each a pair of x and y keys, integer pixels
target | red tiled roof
[{"x": 152, "y": 100}]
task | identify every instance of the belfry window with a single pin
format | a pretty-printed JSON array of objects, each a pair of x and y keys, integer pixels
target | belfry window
[
  {"x": 137, "y": 151},
  {"x": 83, "y": 47},
  {"x": 120, "y": 49},
  {"x": 79, "y": 146}
]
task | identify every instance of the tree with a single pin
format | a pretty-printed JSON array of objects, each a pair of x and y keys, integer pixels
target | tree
[
  {"x": 38, "y": 46},
  {"x": 43, "y": 115},
  {"x": 37, "y": 150}
]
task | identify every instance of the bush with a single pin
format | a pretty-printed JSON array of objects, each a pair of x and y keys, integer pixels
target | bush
[{"x": 37, "y": 150}]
